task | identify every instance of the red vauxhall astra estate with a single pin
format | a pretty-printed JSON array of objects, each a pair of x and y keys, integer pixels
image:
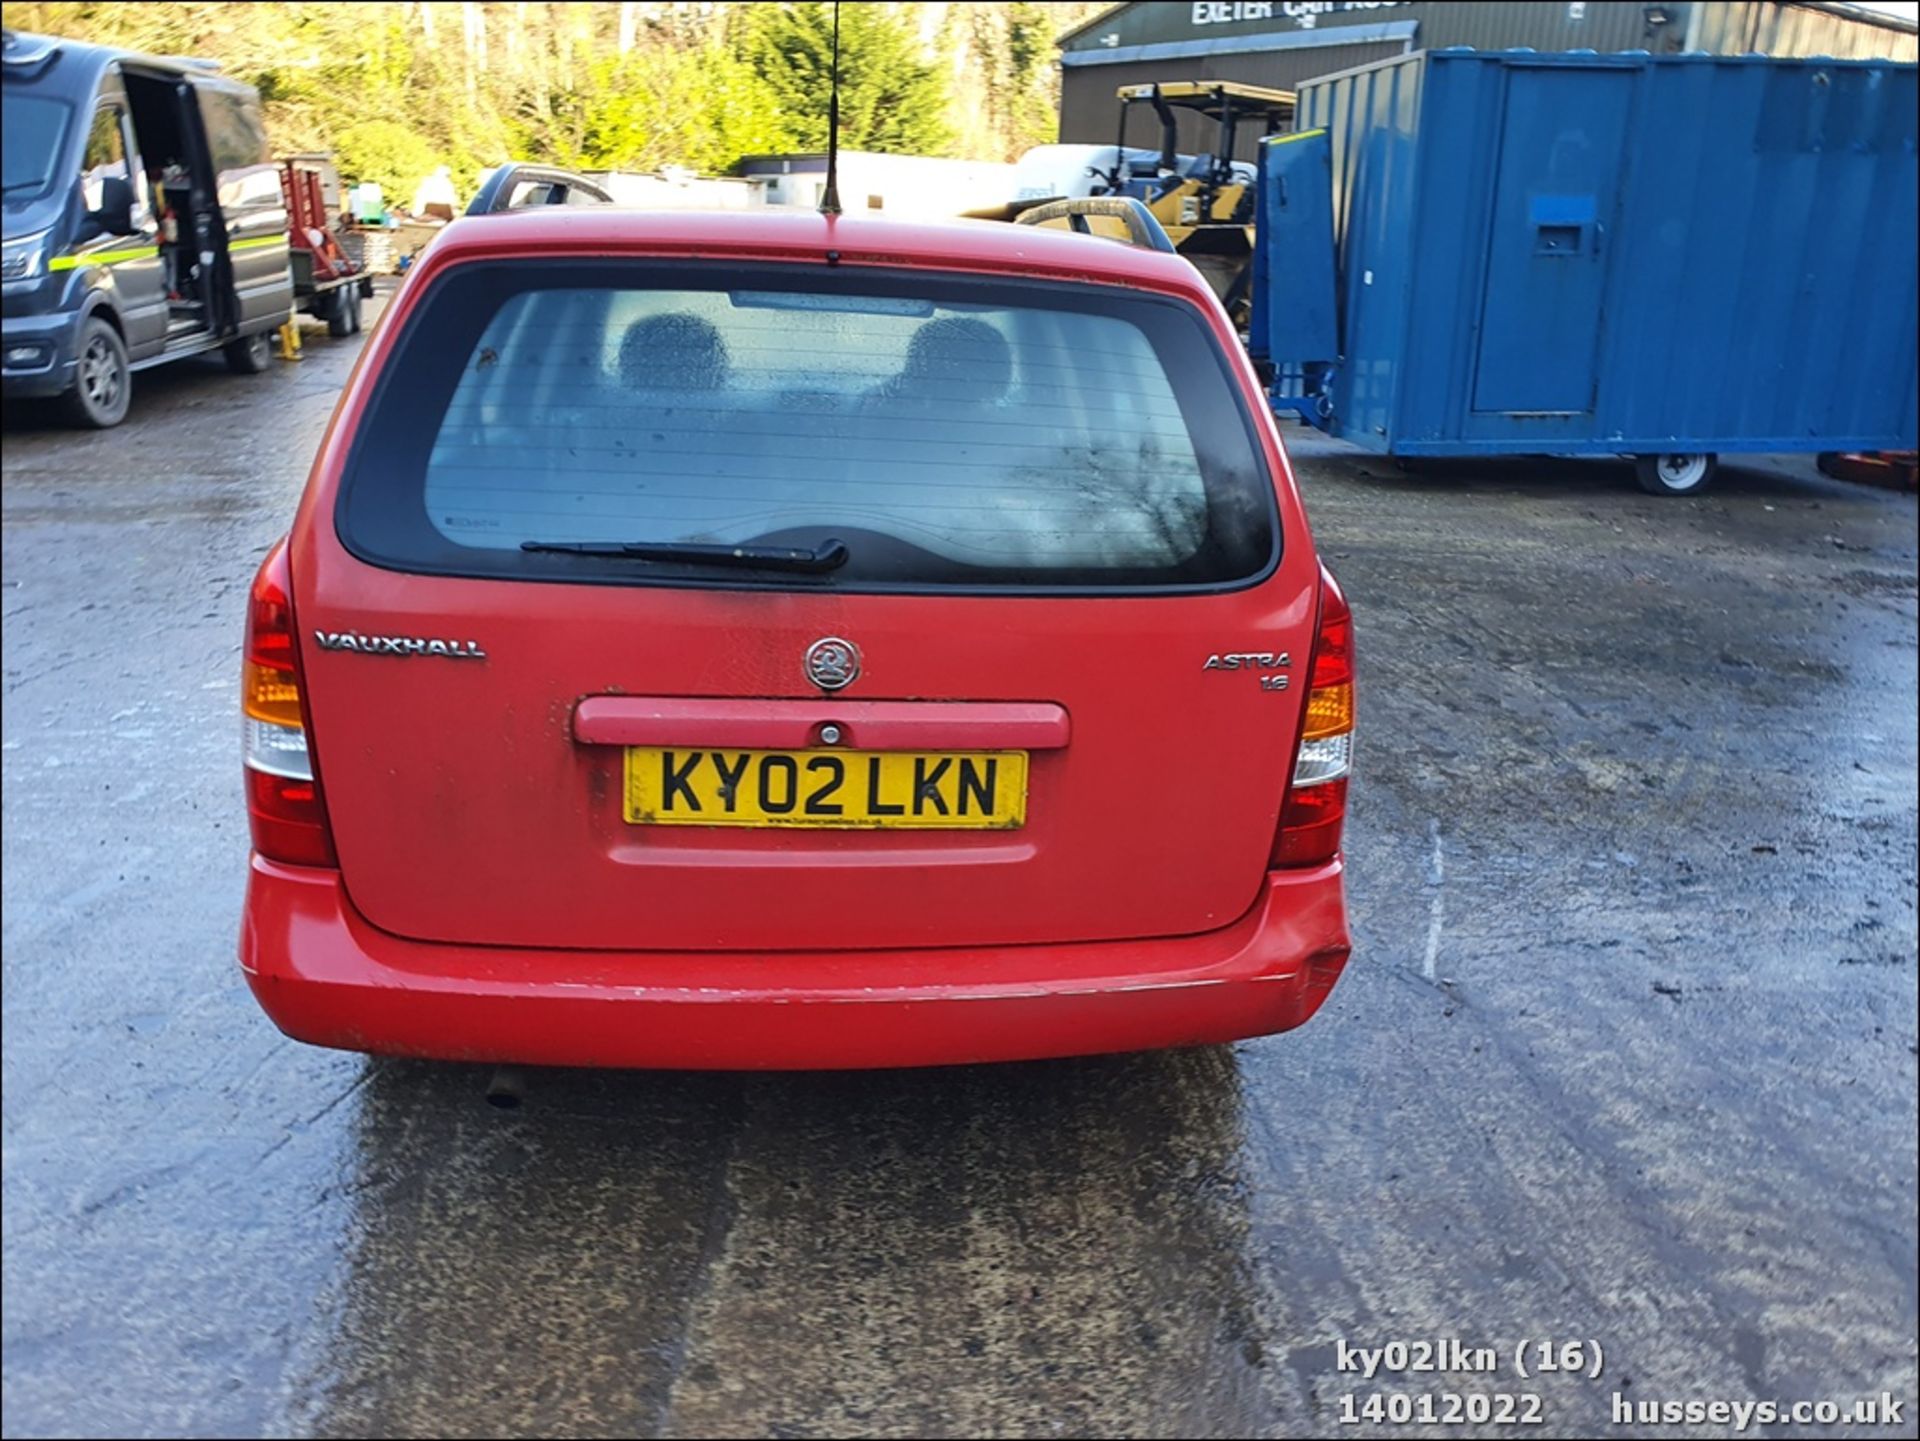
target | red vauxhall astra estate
[{"x": 778, "y": 641}]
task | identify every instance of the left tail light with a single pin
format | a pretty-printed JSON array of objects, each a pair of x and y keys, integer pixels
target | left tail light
[
  {"x": 1316, "y": 806},
  {"x": 284, "y": 805}
]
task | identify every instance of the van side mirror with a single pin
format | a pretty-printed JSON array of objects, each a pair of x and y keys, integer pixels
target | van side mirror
[{"x": 115, "y": 215}]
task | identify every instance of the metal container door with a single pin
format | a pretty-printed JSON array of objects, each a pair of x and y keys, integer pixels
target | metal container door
[
  {"x": 1560, "y": 158},
  {"x": 1293, "y": 267}
]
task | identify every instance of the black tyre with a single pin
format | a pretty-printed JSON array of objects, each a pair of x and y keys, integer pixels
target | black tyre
[
  {"x": 102, "y": 382},
  {"x": 342, "y": 312},
  {"x": 1679, "y": 474},
  {"x": 250, "y": 354}
]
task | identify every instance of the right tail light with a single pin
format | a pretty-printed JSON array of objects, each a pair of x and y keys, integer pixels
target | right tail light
[{"x": 1316, "y": 804}]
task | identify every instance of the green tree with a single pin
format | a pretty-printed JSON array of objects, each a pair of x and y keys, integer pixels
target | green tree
[
  {"x": 890, "y": 98},
  {"x": 698, "y": 107},
  {"x": 387, "y": 153},
  {"x": 1007, "y": 93},
  {"x": 1031, "y": 106},
  {"x": 686, "y": 82}
]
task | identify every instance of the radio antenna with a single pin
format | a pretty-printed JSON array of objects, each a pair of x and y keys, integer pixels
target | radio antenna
[{"x": 830, "y": 197}]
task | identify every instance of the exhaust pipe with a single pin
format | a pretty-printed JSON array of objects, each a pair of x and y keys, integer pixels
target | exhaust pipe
[{"x": 507, "y": 1089}]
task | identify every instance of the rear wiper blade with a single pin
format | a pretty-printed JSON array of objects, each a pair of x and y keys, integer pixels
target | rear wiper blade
[{"x": 828, "y": 555}]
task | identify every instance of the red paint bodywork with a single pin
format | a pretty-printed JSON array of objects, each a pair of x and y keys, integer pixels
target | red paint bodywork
[
  {"x": 618, "y": 720},
  {"x": 327, "y": 977},
  {"x": 491, "y": 902}
]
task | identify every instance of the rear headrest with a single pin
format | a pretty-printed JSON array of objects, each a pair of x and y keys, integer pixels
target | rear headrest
[
  {"x": 673, "y": 352},
  {"x": 956, "y": 359}
]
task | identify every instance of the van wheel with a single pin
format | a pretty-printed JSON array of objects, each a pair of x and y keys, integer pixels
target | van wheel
[
  {"x": 250, "y": 354},
  {"x": 1686, "y": 474},
  {"x": 102, "y": 383}
]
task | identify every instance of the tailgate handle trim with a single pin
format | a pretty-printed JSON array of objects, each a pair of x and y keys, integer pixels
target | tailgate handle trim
[{"x": 619, "y": 720}]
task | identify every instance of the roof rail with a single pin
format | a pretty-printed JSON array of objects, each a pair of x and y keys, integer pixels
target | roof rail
[
  {"x": 550, "y": 187},
  {"x": 1142, "y": 229}
]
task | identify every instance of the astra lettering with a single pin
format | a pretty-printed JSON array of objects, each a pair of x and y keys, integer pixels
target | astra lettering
[{"x": 1249, "y": 660}]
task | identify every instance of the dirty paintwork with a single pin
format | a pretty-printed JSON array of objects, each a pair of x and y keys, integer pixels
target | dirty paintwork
[{"x": 1627, "y": 1051}]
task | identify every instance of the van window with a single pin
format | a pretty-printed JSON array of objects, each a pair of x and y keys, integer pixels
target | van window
[
  {"x": 106, "y": 156},
  {"x": 236, "y": 133},
  {"x": 30, "y": 140},
  {"x": 950, "y": 431}
]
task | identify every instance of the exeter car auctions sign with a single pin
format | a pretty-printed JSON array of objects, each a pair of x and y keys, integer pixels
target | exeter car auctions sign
[
  {"x": 1303, "y": 13},
  {"x": 1161, "y": 23}
]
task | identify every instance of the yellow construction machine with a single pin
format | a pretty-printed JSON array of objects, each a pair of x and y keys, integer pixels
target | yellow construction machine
[{"x": 1205, "y": 202}]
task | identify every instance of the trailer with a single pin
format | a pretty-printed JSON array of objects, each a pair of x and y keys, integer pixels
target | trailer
[
  {"x": 1467, "y": 253},
  {"x": 328, "y": 284}
]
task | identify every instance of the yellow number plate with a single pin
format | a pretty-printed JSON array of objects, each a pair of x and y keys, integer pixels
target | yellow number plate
[{"x": 910, "y": 790}]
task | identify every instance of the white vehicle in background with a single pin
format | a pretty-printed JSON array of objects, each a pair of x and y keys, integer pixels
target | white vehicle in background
[
  {"x": 1065, "y": 172},
  {"x": 1071, "y": 172}
]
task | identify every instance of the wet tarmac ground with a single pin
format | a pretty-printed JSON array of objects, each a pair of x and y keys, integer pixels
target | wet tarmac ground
[{"x": 1626, "y": 1053}]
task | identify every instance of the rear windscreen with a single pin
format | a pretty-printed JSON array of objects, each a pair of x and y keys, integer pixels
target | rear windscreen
[{"x": 947, "y": 431}]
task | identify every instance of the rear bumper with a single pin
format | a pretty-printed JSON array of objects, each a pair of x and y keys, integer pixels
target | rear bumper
[{"x": 327, "y": 977}]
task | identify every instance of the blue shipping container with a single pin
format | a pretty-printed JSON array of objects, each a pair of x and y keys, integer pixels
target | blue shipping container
[{"x": 1584, "y": 253}]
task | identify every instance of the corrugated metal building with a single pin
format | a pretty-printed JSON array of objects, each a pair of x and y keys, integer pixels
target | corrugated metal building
[{"x": 1282, "y": 43}]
